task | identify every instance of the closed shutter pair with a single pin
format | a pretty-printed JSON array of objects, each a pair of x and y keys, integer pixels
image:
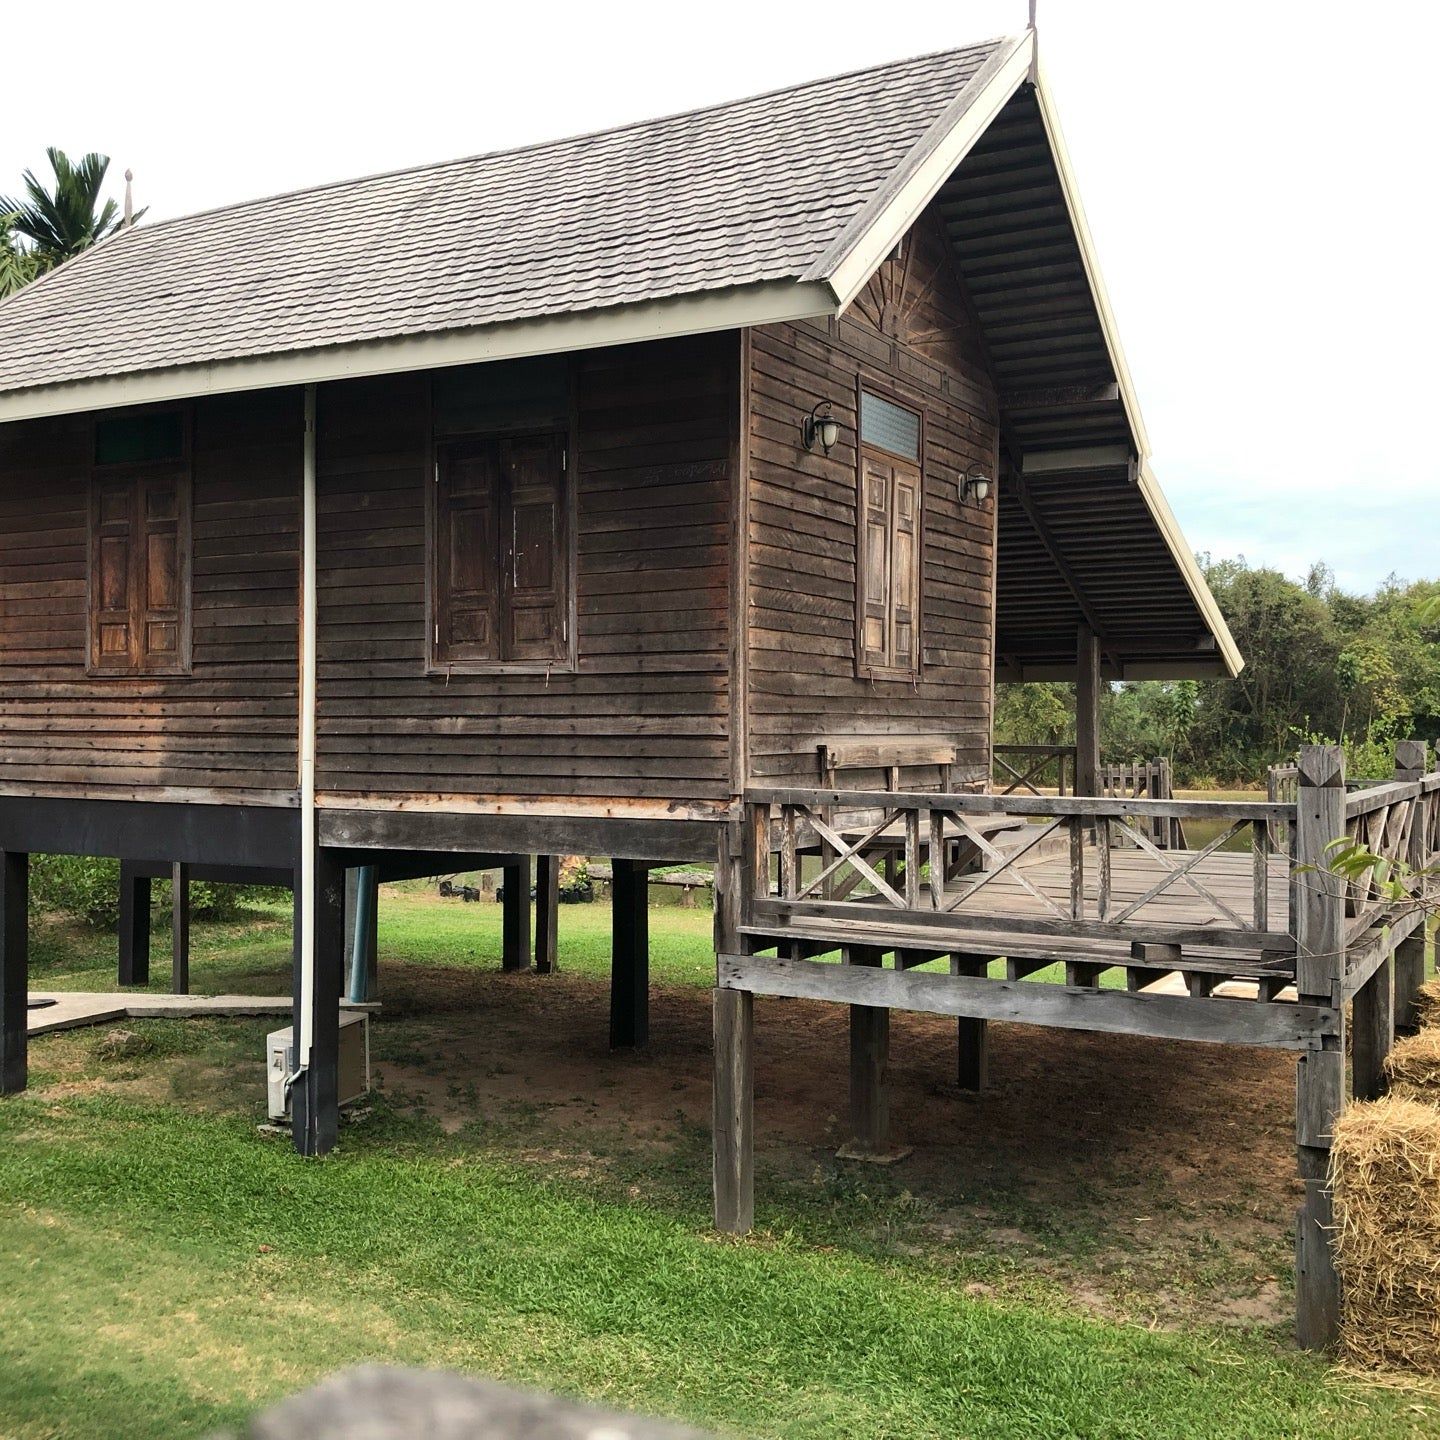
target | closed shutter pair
[
  {"x": 140, "y": 573},
  {"x": 501, "y": 571}
]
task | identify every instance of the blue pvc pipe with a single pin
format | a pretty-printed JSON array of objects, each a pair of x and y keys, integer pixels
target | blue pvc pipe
[{"x": 367, "y": 886}]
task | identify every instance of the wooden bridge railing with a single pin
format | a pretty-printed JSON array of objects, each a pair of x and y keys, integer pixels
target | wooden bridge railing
[
  {"x": 931, "y": 861},
  {"x": 1033, "y": 769}
]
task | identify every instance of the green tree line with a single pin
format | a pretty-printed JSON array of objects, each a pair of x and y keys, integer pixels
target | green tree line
[{"x": 1321, "y": 664}]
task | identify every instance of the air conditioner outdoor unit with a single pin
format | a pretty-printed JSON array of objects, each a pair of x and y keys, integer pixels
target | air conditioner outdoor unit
[{"x": 354, "y": 1063}]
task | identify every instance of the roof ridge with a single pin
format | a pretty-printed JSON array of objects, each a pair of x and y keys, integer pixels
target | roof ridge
[{"x": 563, "y": 139}]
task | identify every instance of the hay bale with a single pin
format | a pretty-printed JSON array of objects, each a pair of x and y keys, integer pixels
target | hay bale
[
  {"x": 1386, "y": 1174},
  {"x": 1413, "y": 1067},
  {"x": 1427, "y": 1003}
]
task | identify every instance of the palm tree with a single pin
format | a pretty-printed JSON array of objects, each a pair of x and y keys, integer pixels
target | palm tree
[
  {"x": 69, "y": 218},
  {"x": 17, "y": 266}
]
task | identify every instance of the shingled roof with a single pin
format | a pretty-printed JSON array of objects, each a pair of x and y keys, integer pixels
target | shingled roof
[
  {"x": 765, "y": 210},
  {"x": 735, "y": 195}
]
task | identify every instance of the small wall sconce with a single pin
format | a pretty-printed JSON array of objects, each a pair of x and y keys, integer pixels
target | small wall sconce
[
  {"x": 820, "y": 426},
  {"x": 975, "y": 486}
]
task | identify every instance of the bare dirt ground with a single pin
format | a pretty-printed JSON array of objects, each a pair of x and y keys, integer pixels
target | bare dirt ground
[{"x": 1146, "y": 1178}]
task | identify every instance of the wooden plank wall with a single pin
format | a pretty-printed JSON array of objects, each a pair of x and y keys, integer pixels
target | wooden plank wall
[
  {"x": 229, "y": 727},
  {"x": 644, "y": 718},
  {"x": 910, "y": 333}
]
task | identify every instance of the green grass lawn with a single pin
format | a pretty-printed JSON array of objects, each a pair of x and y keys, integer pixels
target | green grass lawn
[{"x": 167, "y": 1270}]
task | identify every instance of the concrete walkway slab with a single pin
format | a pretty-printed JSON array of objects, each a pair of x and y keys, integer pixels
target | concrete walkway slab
[{"x": 73, "y": 1008}]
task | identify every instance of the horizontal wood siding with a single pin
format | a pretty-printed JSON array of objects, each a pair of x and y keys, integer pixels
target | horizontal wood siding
[
  {"x": 643, "y": 715},
  {"x": 911, "y": 335},
  {"x": 229, "y": 727}
]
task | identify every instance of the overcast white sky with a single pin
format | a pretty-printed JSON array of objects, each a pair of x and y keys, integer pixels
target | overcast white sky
[{"x": 1259, "y": 178}]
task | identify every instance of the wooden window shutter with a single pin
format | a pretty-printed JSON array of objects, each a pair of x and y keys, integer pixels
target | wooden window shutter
[
  {"x": 467, "y": 553},
  {"x": 162, "y": 595},
  {"x": 536, "y": 588},
  {"x": 904, "y": 576},
  {"x": 875, "y": 619},
  {"x": 888, "y": 582},
  {"x": 139, "y": 581},
  {"x": 113, "y": 578}
]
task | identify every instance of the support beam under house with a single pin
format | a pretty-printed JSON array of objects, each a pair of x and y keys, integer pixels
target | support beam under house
[
  {"x": 630, "y": 954},
  {"x": 14, "y": 969},
  {"x": 134, "y": 959},
  {"x": 315, "y": 1098}
]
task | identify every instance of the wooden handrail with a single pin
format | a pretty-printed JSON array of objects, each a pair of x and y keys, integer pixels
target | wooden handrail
[{"x": 1094, "y": 806}]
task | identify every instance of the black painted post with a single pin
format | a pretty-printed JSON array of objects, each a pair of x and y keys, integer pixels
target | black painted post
[
  {"x": 515, "y": 921},
  {"x": 972, "y": 1070},
  {"x": 134, "y": 966},
  {"x": 547, "y": 914},
  {"x": 869, "y": 1069},
  {"x": 629, "y": 954},
  {"x": 180, "y": 928},
  {"x": 315, "y": 1100},
  {"x": 14, "y": 969}
]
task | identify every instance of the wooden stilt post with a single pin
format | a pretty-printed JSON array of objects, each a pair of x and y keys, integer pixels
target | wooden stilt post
[
  {"x": 315, "y": 1099},
  {"x": 547, "y": 913},
  {"x": 1412, "y": 759},
  {"x": 973, "y": 1047},
  {"x": 869, "y": 1069},
  {"x": 1087, "y": 712},
  {"x": 1320, "y": 1081},
  {"x": 629, "y": 954},
  {"x": 515, "y": 920},
  {"x": 134, "y": 966},
  {"x": 1409, "y": 961},
  {"x": 1373, "y": 1032},
  {"x": 733, "y": 1096},
  {"x": 14, "y": 969},
  {"x": 180, "y": 928}
]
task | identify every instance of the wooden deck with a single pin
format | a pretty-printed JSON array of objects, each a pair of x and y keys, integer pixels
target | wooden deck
[{"x": 1037, "y": 892}]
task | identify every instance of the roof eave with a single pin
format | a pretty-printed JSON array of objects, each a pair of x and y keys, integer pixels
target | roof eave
[
  {"x": 1209, "y": 608},
  {"x": 769, "y": 303},
  {"x": 876, "y": 229}
]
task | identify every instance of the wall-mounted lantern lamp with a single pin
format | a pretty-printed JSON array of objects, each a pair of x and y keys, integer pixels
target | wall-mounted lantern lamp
[
  {"x": 975, "y": 486},
  {"x": 820, "y": 427}
]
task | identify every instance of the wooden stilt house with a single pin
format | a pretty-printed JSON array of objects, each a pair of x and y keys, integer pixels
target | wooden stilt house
[{"x": 674, "y": 493}]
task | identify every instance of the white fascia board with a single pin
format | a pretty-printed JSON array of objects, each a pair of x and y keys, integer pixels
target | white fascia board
[
  {"x": 1205, "y": 602},
  {"x": 767, "y": 304},
  {"x": 858, "y": 251},
  {"x": 1081, "y": 228}
]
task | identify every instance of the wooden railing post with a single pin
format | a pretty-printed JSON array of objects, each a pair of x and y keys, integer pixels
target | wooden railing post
[
  {"x": 1412, "y": 759},
  {"x": 733, "y": 1095},
  {"x": 1087, "y": 712},
  {"x": 1320, "y": 1083}
]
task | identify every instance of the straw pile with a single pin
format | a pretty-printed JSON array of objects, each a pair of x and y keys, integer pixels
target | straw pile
[
  {"x": 1427, "y": 1003},
  {"x": 1386, "y": 1174},
  {"x": 1413, "y": 1067}
]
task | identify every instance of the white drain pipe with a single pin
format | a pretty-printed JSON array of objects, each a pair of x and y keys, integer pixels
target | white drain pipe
[{"x": 308, "y": 609}]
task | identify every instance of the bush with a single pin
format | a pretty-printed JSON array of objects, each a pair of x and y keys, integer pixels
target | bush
[{"x": 86, "y": 889}]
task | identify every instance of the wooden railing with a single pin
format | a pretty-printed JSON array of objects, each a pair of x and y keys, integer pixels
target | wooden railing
[
  {"x": 1146, "y": 780},
  {"x": 1034, "y": 769},
  {"x": 1053, "y": 769},
  {"x": 1282, "y": 787},
  {"x": 931, "y": 861},
  {"x": 1399, "y": 824}
]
